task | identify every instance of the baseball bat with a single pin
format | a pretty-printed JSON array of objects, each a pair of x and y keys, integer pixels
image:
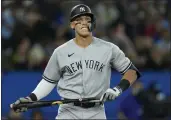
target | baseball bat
[{"x": 38, "y": 104}]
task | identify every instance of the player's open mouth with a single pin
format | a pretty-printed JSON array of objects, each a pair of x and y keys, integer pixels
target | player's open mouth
[{"x": 84, "y": 28}]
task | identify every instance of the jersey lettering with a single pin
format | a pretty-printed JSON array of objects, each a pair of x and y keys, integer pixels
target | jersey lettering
[
  {"x": 101, "y": 67},
  {"x": 86, "y": 61},
  {"x": 67, "y": 69},
  {"x": 96, "y": 65},
  {"x": 90, "y": 64},
  {"x": 79, "y": 65},
  {"x": 73, "y": 68}
]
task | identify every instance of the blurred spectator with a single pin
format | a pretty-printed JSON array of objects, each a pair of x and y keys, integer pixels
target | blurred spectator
[
  {"x": 14, "y": 116},
  {"x": 36, "y": 115},
  {"x": 21, "y": 54},
  {"x": 36, "y": 57},
  {"x": 119, "y": 37},
  {"x": 8, "y": 23},
  {"x": 128, "y": 15},
  {"x": 106, "y": 12},
  {"x": 163, "y": 40},
  {"x": 145, "y": 104},
  {"x": 155, "y": 103},
  {"x": 116, "y": 34}
]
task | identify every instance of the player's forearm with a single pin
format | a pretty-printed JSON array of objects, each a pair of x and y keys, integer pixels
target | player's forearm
[
  {"x": 42, "y": 90},
  {"x": 131, "y": 76}
]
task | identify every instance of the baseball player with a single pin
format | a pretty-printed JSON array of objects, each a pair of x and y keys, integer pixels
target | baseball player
[{"x": 81, "y": 69}]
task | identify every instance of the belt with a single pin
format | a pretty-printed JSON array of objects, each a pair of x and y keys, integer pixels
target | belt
[{"x": 84, "y": 105}]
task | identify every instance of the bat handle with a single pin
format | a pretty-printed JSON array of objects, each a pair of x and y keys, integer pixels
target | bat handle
[
  {"x": 19, "y": 106},
  {"x": 32, "y": 105}
]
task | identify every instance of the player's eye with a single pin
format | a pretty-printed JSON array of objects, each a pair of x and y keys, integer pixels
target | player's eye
[{"x": 89, "y": 21}]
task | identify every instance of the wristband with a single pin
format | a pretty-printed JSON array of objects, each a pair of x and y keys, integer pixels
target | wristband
[
  {"x": 33, "y": 97},
  {"x": 123, "y": 85}
]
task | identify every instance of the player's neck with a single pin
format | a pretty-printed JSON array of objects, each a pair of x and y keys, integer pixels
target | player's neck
[{"x": 83, "y": 42}]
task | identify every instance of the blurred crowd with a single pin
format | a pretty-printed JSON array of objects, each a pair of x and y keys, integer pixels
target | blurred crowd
[
  {"x": 35, "y": 114},
  {"x": 31, "y": 30}
]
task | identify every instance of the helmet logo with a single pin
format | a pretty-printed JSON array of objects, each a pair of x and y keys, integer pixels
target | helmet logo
[{"x": 82, "y": 9}]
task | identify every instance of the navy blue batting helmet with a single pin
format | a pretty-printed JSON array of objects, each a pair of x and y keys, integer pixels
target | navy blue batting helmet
[{"x": 82, "y": 9}]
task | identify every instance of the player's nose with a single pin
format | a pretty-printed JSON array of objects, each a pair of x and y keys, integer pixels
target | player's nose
[{"x": 84, "y": 22}]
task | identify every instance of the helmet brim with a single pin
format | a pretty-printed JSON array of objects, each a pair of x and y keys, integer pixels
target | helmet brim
[{"x": 82, "y": 14}]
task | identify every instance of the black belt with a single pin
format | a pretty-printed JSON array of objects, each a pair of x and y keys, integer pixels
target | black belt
[{"x": 83, "y": 105}]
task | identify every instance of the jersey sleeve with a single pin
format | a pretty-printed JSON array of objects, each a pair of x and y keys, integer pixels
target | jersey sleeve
[
  {"x": 119, "y": 61},
  {"x": 52, "y": 70}
]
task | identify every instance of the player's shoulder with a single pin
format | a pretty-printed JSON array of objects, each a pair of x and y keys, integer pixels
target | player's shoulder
[
  {"x": 104, "y": 43},
  {"x": 64, "y": 46}
]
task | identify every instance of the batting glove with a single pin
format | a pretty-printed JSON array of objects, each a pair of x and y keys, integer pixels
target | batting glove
[
  {"x": 21, "y": 101},
  {"x": 111, "y": 94}
]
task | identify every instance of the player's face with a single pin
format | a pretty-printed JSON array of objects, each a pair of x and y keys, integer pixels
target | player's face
[{"x": 81, "y": 25}]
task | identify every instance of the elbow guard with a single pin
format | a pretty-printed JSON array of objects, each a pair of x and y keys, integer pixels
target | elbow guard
[{"x": 132, "y": 67}]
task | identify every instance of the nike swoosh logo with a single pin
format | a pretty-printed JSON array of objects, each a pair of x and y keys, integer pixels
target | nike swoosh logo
[{"x": 69, "y": 55}]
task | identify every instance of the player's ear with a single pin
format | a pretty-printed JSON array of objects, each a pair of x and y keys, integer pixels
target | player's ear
[{"x": 72, "y": 25}]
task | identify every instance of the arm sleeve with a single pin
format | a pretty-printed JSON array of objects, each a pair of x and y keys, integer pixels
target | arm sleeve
[
  {"x": 43, "y": 89},
  {"x": 119, "y": 61},
  {"x": 52, "y": 71}
]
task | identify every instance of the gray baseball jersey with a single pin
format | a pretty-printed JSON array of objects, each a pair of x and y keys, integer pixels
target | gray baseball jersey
[{"x": 84, "y": 72}]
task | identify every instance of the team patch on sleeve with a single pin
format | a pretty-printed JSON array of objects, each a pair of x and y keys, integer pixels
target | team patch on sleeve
[{"x": 49, "y": 80}]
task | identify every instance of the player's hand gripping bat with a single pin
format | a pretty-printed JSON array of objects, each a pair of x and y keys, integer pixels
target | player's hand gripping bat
[{"x": 38, "y": 104}]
